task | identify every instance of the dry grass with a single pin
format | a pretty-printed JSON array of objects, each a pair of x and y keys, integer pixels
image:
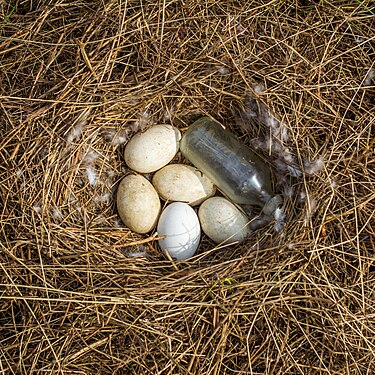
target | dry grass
[{"x": 76, "y": 79}]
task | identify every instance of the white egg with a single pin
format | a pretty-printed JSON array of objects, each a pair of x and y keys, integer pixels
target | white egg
[
  {"x": 183, "y": 183},
  {"x": 138, "y": 203},
  {"x": 222, "y": 221},
  {"x": 156, "y": 147},
  {"x": 180, "y": 225}
]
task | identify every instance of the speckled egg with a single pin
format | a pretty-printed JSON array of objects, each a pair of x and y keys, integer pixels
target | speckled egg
[
  {"x": 153, "y": 149},
  {"x": 182, "y": 183},
  {"x": 179, "y": 225},
  {"x": 138, "y": 203},
  {"x": 222, "y": 221}
]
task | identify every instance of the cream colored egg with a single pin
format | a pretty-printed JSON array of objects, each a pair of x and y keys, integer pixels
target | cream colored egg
[
  {"x": 182, "y": 183},
  {"x": 153, "y": 149},
  {"x": 222, "y": 221},
  {"x": 138, "y": 203}
]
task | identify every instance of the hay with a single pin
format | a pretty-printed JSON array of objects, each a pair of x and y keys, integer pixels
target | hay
[{"x": 81, "y": 294}]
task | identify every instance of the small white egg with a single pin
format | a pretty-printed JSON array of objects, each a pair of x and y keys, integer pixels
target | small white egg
[
  {"x": 180, "y": 225},
  {"x": 222, "y": 221},
  {"x": 138, "y": 203},
  {"x": 156, "y": 147},
  {"x": 183, "y": 183}
]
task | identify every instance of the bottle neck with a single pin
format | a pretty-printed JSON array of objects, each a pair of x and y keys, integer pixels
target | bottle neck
[{"x": 270, "y": 207}]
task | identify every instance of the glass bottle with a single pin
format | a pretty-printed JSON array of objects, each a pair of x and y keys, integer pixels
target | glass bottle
[{"x": 240, "y": 174}]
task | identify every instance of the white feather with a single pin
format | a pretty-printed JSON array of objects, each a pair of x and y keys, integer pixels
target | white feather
[
  {"x": 91, "y": 175},
  {"x": 314, "y": 166},
  {"x": 105, "y": 198},
  {"x": 137, "y": 254},
  {"x": 79, "y": 124},
  {"x": 280, "y": 219},
  {"x": 223, "y": 70},
  {"x": 90, "y": 156},
  {"x": 144, "y": 119},
  {"x": 37, "y": 207},
  {"x": 57, "y": 214}
]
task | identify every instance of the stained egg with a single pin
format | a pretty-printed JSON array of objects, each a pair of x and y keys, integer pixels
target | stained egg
[
  {"x": 182, "y": 183},
  {"x": 138, "y": 203},
  {"x": 153, "y": 149},
  {"x": 179, "y": 225},
  {"x": 222, "y": 221}
]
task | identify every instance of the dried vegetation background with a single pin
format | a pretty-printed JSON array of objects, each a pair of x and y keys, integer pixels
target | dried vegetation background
[{"x": 80, "y": 293}]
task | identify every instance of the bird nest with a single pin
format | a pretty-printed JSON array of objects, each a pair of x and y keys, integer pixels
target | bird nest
[{"x": 80, "y": 293}]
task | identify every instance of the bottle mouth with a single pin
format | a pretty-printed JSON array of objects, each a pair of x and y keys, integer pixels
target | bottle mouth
[{"x": 270, "y": 207}]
